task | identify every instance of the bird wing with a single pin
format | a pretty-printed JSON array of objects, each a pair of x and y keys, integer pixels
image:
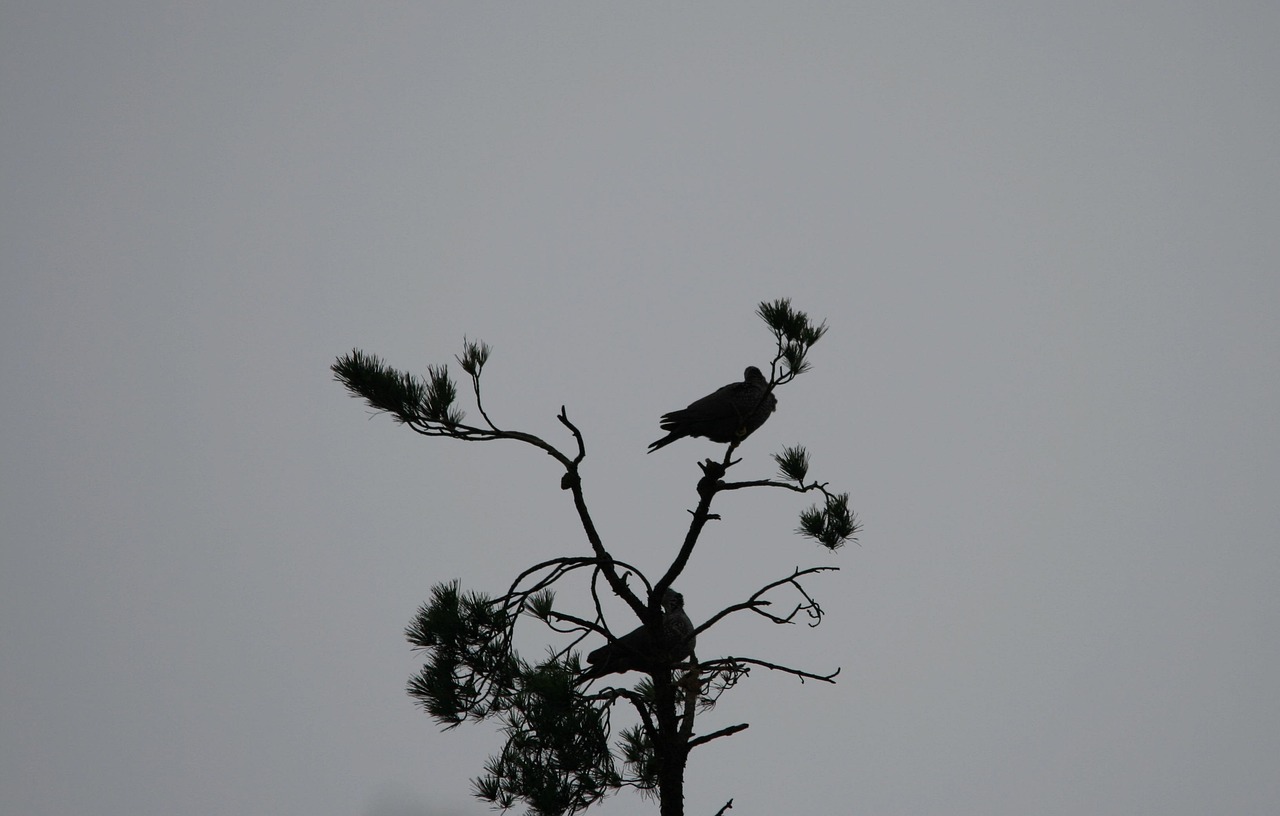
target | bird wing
[
  {"x": 629, "y": 652},
  {"x": 717, "y": 405}
]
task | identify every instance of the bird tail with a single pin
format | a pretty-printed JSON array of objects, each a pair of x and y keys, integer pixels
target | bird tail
[{"x": 663, "y": 442}]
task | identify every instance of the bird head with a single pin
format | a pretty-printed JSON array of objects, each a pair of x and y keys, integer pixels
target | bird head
[{"x": 672, "y": 601}]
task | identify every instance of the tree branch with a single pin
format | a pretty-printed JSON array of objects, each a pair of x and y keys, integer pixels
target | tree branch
[
  {"x": 723, "y": 732},
  {"x": 753, "y": 603},
  {"x": 470, "y": 433},
  {"x": 728, "y": 663},
  {"x": 577, "y": 434},
  {"x": 772, "y": 483},
  {"x": 605, "y": 561},
  {"x": 727, "y": 806},
  {"x": 710, "y": 482}
]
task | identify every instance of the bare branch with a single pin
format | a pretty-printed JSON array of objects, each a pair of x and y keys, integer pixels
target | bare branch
[
  {"x": 470, "y": 433},
  {"x": 728, "y": 663},
  {"x": 754, "y": 602},
  {"x": 727, "y": 806},
  {"x": 723, "y": 732},
  {"x": 579, "y": 624},
  {"x": 772, "y": 483},
  {"x": 562, "y": 566},
  {"x": 712, "y": 473},
  {"x": 517, "y": 600},
  {"x": 577, "y": 434}
]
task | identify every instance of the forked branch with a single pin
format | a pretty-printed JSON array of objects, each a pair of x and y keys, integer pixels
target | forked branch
[{"x": 756, "y": 601}]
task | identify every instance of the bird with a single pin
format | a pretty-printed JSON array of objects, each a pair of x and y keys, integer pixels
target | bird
[
  {"x": 637, "y": 651},
  {"x": 727, "y": 414}
]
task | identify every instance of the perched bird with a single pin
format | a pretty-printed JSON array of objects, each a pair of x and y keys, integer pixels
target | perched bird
[
  {"x": 729, "y": 414},
  {"x": 637, "y": 651}
]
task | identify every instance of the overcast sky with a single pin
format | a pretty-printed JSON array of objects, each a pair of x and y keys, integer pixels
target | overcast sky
[{"x": 1046, "y": 238}]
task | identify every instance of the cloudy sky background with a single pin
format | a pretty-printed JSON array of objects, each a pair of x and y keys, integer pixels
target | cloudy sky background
[{"x": 1044, "y": 236}]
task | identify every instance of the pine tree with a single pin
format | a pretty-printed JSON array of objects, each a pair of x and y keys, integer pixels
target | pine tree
[{"x": 562, "y": 752}]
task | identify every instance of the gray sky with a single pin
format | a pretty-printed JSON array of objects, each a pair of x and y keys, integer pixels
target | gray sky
[{"x": 1045, "y": 238}]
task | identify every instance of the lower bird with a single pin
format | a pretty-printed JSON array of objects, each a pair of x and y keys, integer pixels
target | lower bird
[{"x": 637, "y": 650}]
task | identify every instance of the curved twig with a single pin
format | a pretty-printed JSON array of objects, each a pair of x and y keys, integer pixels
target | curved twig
[
  {"x": 754, "y": 603},
  {"x": 577, "y": 434}
]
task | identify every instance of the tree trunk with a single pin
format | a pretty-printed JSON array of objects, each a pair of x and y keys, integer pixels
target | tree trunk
[{"x": 671, "y": 751}]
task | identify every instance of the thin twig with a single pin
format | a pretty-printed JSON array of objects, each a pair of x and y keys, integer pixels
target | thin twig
[
  {"x": 582, "y": 446},
  {"x": 754, "y": 601}
]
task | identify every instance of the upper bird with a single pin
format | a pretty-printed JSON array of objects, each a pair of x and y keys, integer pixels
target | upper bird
[{"x": 728, "y": 414}]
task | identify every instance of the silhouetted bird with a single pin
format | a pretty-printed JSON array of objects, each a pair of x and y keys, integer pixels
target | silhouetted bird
[
  {"x": 728, "y": 415},
  {"x": 636, "y": 650}
]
